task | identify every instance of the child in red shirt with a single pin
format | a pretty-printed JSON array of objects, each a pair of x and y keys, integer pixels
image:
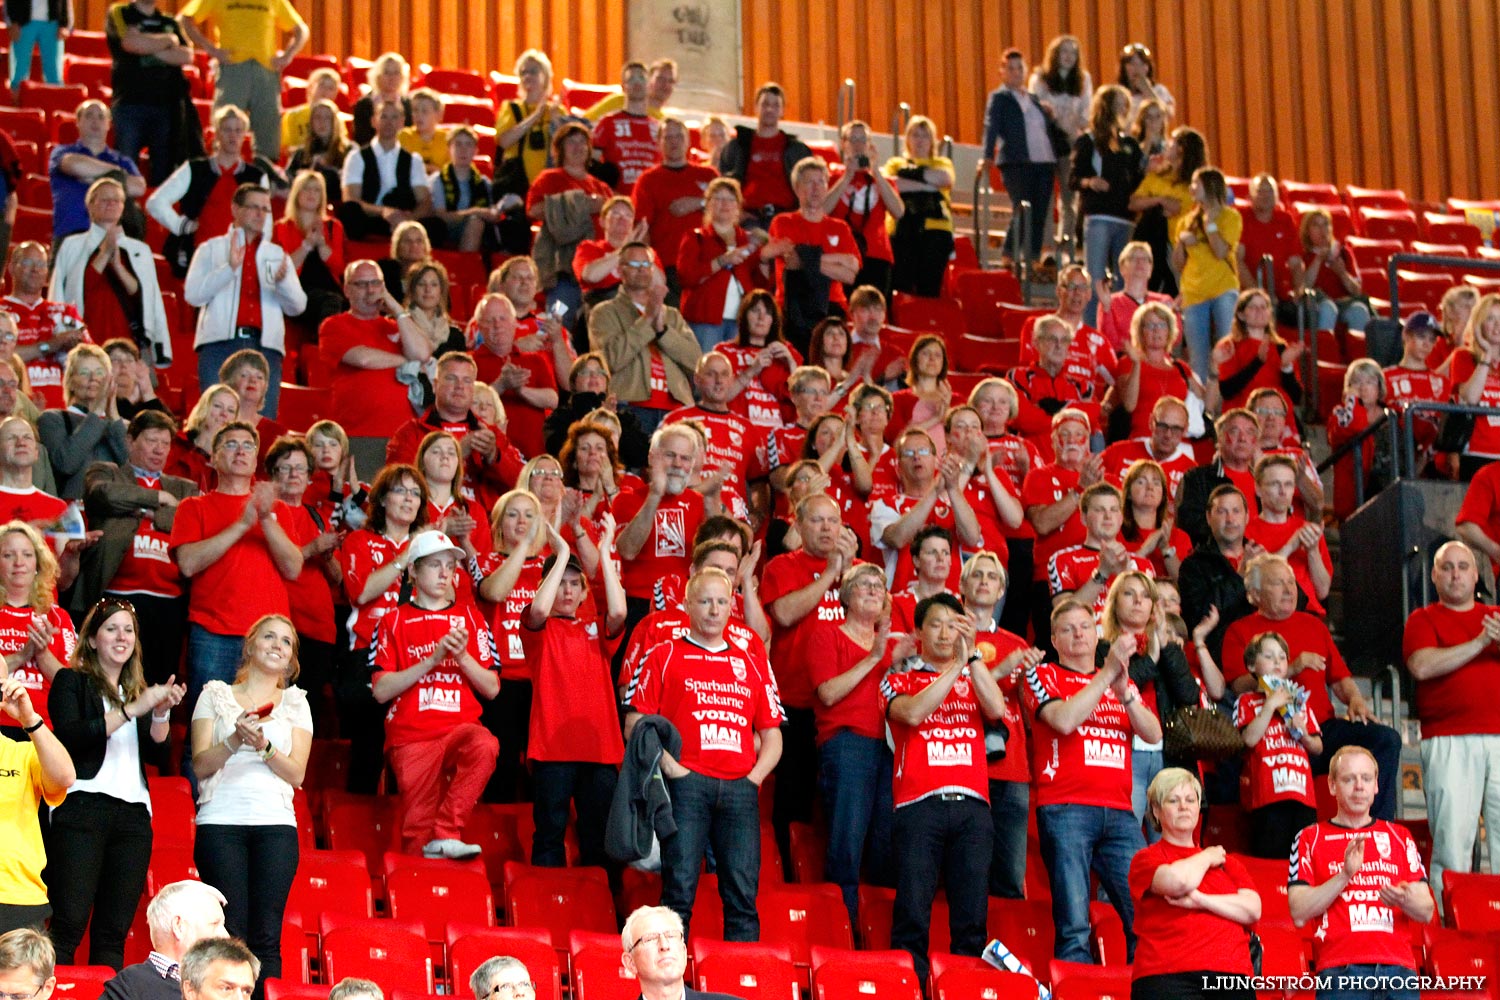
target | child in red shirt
[
  {"x": 433, "y": 663},
  {"x": 1276, "y": 787}
]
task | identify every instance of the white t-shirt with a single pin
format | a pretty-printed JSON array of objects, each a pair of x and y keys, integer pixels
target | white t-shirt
[
  {"x": 245, "y": 791},
  {"x": 120, "y": 774}
]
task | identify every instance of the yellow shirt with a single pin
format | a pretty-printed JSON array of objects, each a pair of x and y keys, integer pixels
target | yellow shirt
[
  {"x": 898, "y": 163},
  {"x": 1205, "y": 276},
  {"x": 616, "y": 102},
  {"x": 248, "y": 29},
  {"x": 1165, "y": 185},
  {"x": 294, "y": 127},
  {"x": 535, "y": 156},
  {"x": 434, "y": 151},
  {"x": 23, "y": 859}
]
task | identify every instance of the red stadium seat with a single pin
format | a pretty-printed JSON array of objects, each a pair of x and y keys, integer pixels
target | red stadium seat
[
  {"x": 1317, "y": 194},
  {"x": 1270, "y": 878},
  {"x": 801, "y": 916},
  {"x": 583, "y": 96},
  {"x": 1472, "y": 901},
  {"x": 503, "y": 833},
  {"x": 395, "y": 958},
  {"x": 470, "y": 946},
  {"x": 172, "y": 811},
  {"x": 1013, "y": 319},
  {"x": 328, "y": 764},
  {"x": 35, "y": 191},
  {"x": 561, "y": 900},
  {"x": 1107, "y": 933},
  {"x": 170, "y": 862},
  {"x": 31, "y": 223},
  {"x": 1281, "y": 947},
  {"x": 597, "y": 972},
  {"x": 463, "y": 268},
  {"x": 1080, "y": 981},
  {"x": 81, "y": 982},
  {"x": 331, "y": 881},
  {"x": 503, "y": 86},
  {"x": 876, "y": 910},
  {"x": 284, "y": 989},
  {"x": 89, "y": 44},
  {"x": 25, "y": 124},
  {"x": 471, "y": 111},
  {"x": 302, "y": 66},
  {"x": 1388, "y": 223},
  {"x": 826, "y": 151},
  {"x": 1025, "y": 927},
  {"x": 52, "y": 96},
  {"x": 455, "y": 82},
  {"x": 983, "y": 296},
  {"x": 969, "y": 353},
  {"x": 1374, "y": 253},
  {"x": 985, "y": 983},
  {"x": 91, "y": 73},
  {"x": 1423, "y": 288},
  {"x": 936, "y": 315},
  {"x": 437, "y": 895},
  {"x": 33, "y": 160},
  {"x": 1362, "y": 197},
  {"x": 708, "y": 910},
  {"x": 1443, "y": 228},
  {"x": 1225, "y": 825},
  {"x": 369, "y": 824},
  {"x": 302, "y": 405},
  {"x": 809, "y": 851},
  {"x": 1455, "y": 953},
  {"x": 295, "y": 964},
  {"x": 752, "y": 971},
  {"x": 845, "y": 974}
]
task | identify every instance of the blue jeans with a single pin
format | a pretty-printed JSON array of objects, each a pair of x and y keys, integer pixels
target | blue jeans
[
  {"x": 1354, "y": 312},
  {"x": 711, "y": 335},
  {"x": 1076, "y": 840},
  {"x": 1104, "y": 237},
  {"x": 1369, "y": 982},
  {"x": 1203, "y": 324},
  {"x": 727, "y": 815},
  {"x": 211, "y": 657},
  {"x": 1010, "y": 802},
  {"x": 44, "y": 35},
  {"x": 854, "y": 773},
  {"x": 648, "y": 418},
  {"x": 146, "y": 126},
  {"x": 211, "y": 356},
  {"x": 1144, "y": 765}
]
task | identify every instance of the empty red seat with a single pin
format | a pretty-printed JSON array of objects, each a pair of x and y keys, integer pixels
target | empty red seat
[
  {"x": 597, "y": 971},
  {"x": 369, "y": 824},
  {"x": 91, "y": 73},
  {"x": 877, "y": 909},
  {"x": 52, "y": 96},
  {"x": 1362, "y": 197},
  {"x": 1107, "y": 932},
  {"x": 283, "y": 989},
  {"x": 503, "y": 833},
  {"x": 1440, "y": 227},
  {"x": 561, "y": 901},
  {"x": 471, "y": 945},
  {"x": 980, "y": 983},
  {"x": 801, "y": 916},
  {"x": 1270, "y": 877},
  {"x": 1423, "y": 288},
  {"x": 936, "y": 315},
  {"x": 455, "y": 82},
  {"x": 583, "y": 96},
  {"x": 295, "y": 965},
  {"x": 25, "y": 124},
  {"x": 1282, "y": 951},
  {"x": 1025, "y": 927},
  {"x": 982, "y": 294},
  {"x": 395, "y": 958},
  {"x": 170, "y": 862},
  {"x": 331, "y": 881},
  {"x": 172, "y": 811},
  {"x": 845, "y": 974},
  {"x": 90, "y": 44},
  {"x": 752, "y": 971},
  {"x": 809, "y": 851},
  {"x": 1388, "y": 223},
  {"x": 1318, "y": 194},
  {"x": 82, "y": 982},
  {"x": 1090, "y": 982},
  {"x": 1372, "y": 252},
  {"x": 1472, "y": 901},
  {"x": 437, "y": 895},
  {"x": 471, "y": 111}
]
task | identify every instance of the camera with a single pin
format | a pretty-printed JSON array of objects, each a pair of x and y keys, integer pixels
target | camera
[{"x": 862, "y": 161}]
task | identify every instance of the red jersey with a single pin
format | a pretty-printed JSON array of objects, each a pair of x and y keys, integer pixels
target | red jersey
[
  {"x": 995, "y": 647},
  {"x": 30, "y": 505},
  {"x": 1045, "y": 486},
  {"x": 858, "y": 712},
  {"x": 946, "y": 752},
  {"x": 827, "y": 234},
  {"x": 861, "y": 209},
  {"x": 991, "y": 528},
  {"x": 1015, "y": 457},
  {"x": 14, "y": 623},
  {"x": 362, "y": 553},
  {"x": 1154, "y": 384},
  {"x": 525, "y": 426},
  {"x": 1481, "y": 505},
  {"x": 1070, "y": 568},
  {"x": 1274, "y": 536},
  {"x": 1089, "y": 766},
  {"x": 147, "y": 566},
  {"x": 1173, "y": 939},
  {"x": 1458, "y": 703},
  {"x": 1035, "y": 384},
  {"x": 629, "y": 141},
  {"x": 1279, "y": 769},
  {"x": 34, "y": 324},
  {"x": 1180, "y": 543},
  {"x": 1303, "y": 634},
  {"x": 1277, "y": 239},
  {"x": 733, "y": 442},
  {"x": 443, "y": 698},
  {"x": 367, "y": 402},
  {"x": 1088, "y": 352},
  {"x": 668, "y": 623},
  {"x": 654, "y": 192},
  {"x": 793, "y": 648},
  {"x": 556, "y": 180},
  {"x": 667, "y": 548},
  {"x": 890, "y": 507},
  {"x": 1120, "y": 456},
  {"x": 573, "y": 713},
  {"x": 766, "y": 182},
  {"x": 1404, "y": 386},
  {"x": 227, "y": 597},
  {"x": 717, "y": 698},
  {"x": 761, "y": 399},
  {"x": 1358, "y": 929},
  {"x": 510, "y": 648},
  {"x": 1267, "y": 375},
  {"x": 1486, "y": 437}
]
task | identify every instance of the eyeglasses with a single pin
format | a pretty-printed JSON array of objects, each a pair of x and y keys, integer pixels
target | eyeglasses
[
  {"x": 368, "y": 283},
  {"x": 22, "y": 996},
  {"x": 635, "y": 263},
  {"x": 915, "y": 452},
  {"x": 1166, "y": 428},
  {"x": 546, "y": 474},
  {"x": 237, "y": 445},
  {"x": 1076, "y": 287},
  {"x": 9, "y": 385},
  {"x": 288, "y": 471},
  {"x": 415, "y": 492},
  {"x": 1270, "y": 411},
  {"x": 6, "y": 337},
  {"x": 511, "y": 989},
  {"x": 663, "y": 941}
]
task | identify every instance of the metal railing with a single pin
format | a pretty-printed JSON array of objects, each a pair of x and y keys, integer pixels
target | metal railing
[
  {"x": 1431, "y": 260},
  {"x": 1018, "y": 235},
  {"x": 982, "y": 195},
  {"x": 1406, "y": 458},
  {"x": 1389, "y": 681},
  {"x": 900, "y": 118},
  {"x": 1387, "y": 421}
]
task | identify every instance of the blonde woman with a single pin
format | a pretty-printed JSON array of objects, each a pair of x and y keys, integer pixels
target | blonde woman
[
  {"x": 427, "y": 291},
  {"x": 1475, "y": 369},
  {"x": 324, "y": 148},
  {"x": 36, "y": 635},
  {"x": 410, "y": 245},
  {"x": 525, "y": 125},
  {"x": 192, "y": 448},
  {"x": 1148, "y": 371},
  {"x": 922, "y": 234},
  {"x": 389, "y": 80},
  {"x": 88, "y": 428},
  {"x": 312, "y": 236}
]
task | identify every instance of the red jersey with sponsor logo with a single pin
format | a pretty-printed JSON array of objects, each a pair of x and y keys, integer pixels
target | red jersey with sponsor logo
[
  {"x": 1303, "y": 634},
  {"x": 1359, "y": 929},
  {"x": 760, "y": 401},
  {"x": 945, "y": 752},
  {"x": 794, "y": 647},
  {"x": 859, "y": 711},
  {"x": 362, "y": 553},
  {"x": 1458, "y": 703},
  {"x": 1279, "y": 769},
  {"x": 1088, "y": 352},
  {"x": 1089, "y": 766},
  {"x": 995, "y": 647},
  {"x": 31, "y": 505},
  {"x": 1405, "y": 385},
  {"x": 510, "y": 649},
  {"x": 668, "y": 545},
  {"x": 14, "y": 623},
  {"x": 573, "y": 713},
  {"x": 147, "y": 566},
  {"x": 717, "y": 698},
  {"x": 1072, "y": 567},
  {"x": 733, "y": 442},
  {"x": 1043, "y": 487},
  {"x": 34, "y": 324},
  {"x": 671, "y": 622},
  {"x": 443, "y": 698},
  {"x": 1120, "y": 456},
  {"x": 629, "y": 141},
  {"x": 991, "y": 528},
  {"x": 1272, "y": 537},
  {"x": 228, "y": 596}
]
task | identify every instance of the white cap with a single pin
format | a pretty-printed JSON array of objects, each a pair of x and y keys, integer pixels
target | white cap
[{"x": 430, "y": 543}]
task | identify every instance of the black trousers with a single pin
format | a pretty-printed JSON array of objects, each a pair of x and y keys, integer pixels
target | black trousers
[
  {"x": 361, "y": 721},
  {"x": 1015, "y": 614},
  {"x": 796, "y": 776},
  {"x": 508, "y": 716},
  {"x": 591, "y": 788},
  {"x": 1274, "y": 827},
  {"x": 922, "y": 261},
  {"x": 163, "y": 630},
  {"x": 13, "y": 917},
  {"x": 253, "y": 866},
  {"x": 949, "y": 840},
  {"x": 90, "y": 833}
]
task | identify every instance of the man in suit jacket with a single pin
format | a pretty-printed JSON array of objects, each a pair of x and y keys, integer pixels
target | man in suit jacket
[
  {"x": 180, "y": 915},
  {"x": 134, "y": 508},
  {"x": 1016, "y": 121},
  {"x": 656, "y": 954}
]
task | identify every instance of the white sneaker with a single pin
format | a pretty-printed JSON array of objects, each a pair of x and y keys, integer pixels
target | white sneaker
[{"x": 453, "y": 850}]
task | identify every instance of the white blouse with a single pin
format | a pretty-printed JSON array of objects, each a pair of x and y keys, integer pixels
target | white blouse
[{"x": 245, "y": 791}]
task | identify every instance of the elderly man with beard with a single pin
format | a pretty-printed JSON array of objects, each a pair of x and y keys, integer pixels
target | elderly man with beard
[
  {"x": 1317, "y": 665},
  {"x": 928, "y": 492}
]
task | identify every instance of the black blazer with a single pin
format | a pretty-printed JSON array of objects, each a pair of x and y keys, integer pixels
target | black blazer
[{"x": 77, "y": 711}]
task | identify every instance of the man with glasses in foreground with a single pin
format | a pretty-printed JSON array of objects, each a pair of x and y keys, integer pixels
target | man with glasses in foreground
[
  {"x": 27, "y": 963},
  {"x": 656, "y": 954},
  {"x": 1169, "y": 423},
  {"x": 502, "y": 978}
]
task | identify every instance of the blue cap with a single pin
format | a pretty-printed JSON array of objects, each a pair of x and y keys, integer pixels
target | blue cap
[{"x": 1420, "y": 322}]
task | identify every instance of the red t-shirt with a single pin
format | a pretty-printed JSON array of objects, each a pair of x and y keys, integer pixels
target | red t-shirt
[
  {"x": 1457, "y": 703},
  {"x": 443, "y": 698},
  {"x": 761, "y": 400},
  {"x": 1180, "y": 543},
  {"x": 1481, "y": 505},
  {"x": 858, "y": 712},
  {"x": 1174, "y": 939},
  {"x": 589, "y": 251},
  {"x": 14, "y": 623},
  {"x": 995, "y": 647},
  {"x": 34, "y": 324},
  {"x": 147, "y": 566},
  {"x": 1089, "y": 766},
  {"x": 526, "y": 426},
  {"x": 1303, "y": 634},
  {"x": 1120, "y": 456},
  {"x": 510, "y": 648},
  {"x": 1267, "y": 376},
  {"x": 1273, "y": 536},
  {"x": 1279, "y": 769},
  {"x": 1406, "y": 385},
  {"x": 573, "y": 713},
  {"x": 794, "y": 648},
  {"x": 668, "y": 545},
  {"x": 362, "y": 553},
  {"x": 733, "y": 442},
  {"x": 671, "y": 622},
  {"x": 1154, "y": 384},
  {"x": 1070, "y": 568},
  {"x": 30, "y": 505},
  {"x": 717, "y": 698},
  {"x": 1329, "y": 283},
  {"x": 862, "y": 210},
  {"x": 629, "y": 141},
  {"x": 1045, "y": 486},
  {"x": 106, "y": 315},
  {"x": 1486, "y": 437},
  {"x": 654, "y": 193},
  {"x": 1276, "y": 238},
  {"x": 227, "y": 597},
  {"x": 991, "y": 528},
  {"x": 367, "y": 402},
  {"x": 945, "y": 752},
  {"x": 1016, "y": 457},
  {"x": 555, "y": 180},
  {"x": 887, "y": 508},
  {"x": 827, "y": 234},
  {"x": 766, "y": 181},
  {"x": 309, "y": 596},
  {"x": 1358, "y": 929}
]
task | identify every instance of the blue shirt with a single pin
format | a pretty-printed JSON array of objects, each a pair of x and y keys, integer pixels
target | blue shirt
[{"x": 69, "y": 214}]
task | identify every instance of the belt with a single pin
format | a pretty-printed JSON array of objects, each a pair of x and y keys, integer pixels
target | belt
[
  {"x": 952, "y": 797},
  {"x": 246, "y": 333}
]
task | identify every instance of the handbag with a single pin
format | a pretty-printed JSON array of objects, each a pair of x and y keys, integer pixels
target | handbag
[
  {"x": 1455, "y": 432},
  {"x": 1195, "y": 733}
]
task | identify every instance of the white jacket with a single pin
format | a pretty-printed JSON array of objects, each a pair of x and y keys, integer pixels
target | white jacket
[
  {"x": 214, "y": 287},
  {"x": 67, "y": 284}
]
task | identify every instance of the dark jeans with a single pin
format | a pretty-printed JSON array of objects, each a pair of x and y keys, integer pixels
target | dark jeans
[
  {"x": 948, "y": 839},
  {"x": 1273, "y": 828},
  {"x": 146, "y": 126},
  {"x": 1076, "y": 840},
  {"x": 725, "y": 814},
  {"x": 1010, "y": 803},
  {"x": 1029, "y": 182},
  {"x": 361, "y": 721},
  {"x": 854, "y": 773},
  {"x": 13, "y": 918},
  {"x": 1015, "y": 612},
  {"x": 253, "y": 866},
  {"x": 90, "y": 832},
  {"x": 163, "y": 624},
  {"x": 921, "y": 262},
  {"x": 591, "y": 788},
  {"x": 1370, "y": 982},
  {"x": 648, "y": 418},
  {"x": 508, "y": 716},
  {"x": 1382, "y": 741},
  {"x": 796, "y": 775}
]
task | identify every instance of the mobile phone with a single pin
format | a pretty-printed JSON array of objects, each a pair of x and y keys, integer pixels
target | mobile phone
[{"x": 264, "y": 710}]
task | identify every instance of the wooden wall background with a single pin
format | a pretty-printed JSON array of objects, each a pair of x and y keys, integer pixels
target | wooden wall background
[{"x": 1385, "y": 93}]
